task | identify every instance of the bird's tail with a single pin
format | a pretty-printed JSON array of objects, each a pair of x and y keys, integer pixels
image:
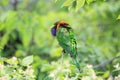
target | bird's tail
[{"x": 76, "y": 63}]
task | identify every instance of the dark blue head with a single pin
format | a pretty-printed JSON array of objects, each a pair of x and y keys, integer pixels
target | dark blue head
[
  {"x": 57, "y": 25},
  {"x": 53, "y": 31}
]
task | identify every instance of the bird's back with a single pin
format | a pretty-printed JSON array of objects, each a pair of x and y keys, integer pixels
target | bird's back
[{"x": 67, "y": 40}]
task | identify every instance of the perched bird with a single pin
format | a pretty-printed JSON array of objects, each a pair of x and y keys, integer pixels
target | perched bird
[{"x": 66, "y": 39}]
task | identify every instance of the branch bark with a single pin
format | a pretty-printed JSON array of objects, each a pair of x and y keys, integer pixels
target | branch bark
[
  {"x": 14, "y": 3},
  {"x": 102, "y": 64}
]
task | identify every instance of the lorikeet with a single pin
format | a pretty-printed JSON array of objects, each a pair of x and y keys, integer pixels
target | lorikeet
[{"x": 66, "y": 39}]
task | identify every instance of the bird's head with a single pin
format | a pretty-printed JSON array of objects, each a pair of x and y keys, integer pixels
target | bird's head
[{"x": 58, "y": 25}]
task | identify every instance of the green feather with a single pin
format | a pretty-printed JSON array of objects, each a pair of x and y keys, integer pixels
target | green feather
[{"x": 67, "y": 40}]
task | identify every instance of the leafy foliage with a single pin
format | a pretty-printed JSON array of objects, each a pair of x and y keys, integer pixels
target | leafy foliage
[
  {"x": 76, "y": 3},
  {"x": 12, "y": 69},
  {"x": 25, "y": 31}
]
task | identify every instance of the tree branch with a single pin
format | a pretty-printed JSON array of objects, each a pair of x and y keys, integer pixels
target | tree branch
[{"x": 106, "y": 62}]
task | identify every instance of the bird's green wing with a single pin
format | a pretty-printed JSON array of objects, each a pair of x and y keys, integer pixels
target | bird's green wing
[{"x": 67, "y": 40}]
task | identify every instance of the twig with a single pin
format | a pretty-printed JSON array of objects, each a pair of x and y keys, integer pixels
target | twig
[
  {"x": 14, "y": 3},
  {"x": 106, "y": 62}
]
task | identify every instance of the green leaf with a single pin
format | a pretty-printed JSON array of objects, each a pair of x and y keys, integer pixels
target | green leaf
[
  {"x": 89, "y": 1},
  {"x": 27, "y": 60},
  {"x": 80, "y": 3},
  {"x": 118, "y": 17},
  {"x": 67, "y": 2},
  {"x": 47, "y": 67},
  {"x": 12, "y": 60},
  {"x": 106, "y": 74}
]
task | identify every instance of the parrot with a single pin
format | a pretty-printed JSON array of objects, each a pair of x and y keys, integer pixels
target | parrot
[{"x": 65, "y": 36}]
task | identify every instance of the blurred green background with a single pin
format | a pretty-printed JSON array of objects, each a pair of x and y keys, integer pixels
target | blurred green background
[{"x": 25, "y": 30}]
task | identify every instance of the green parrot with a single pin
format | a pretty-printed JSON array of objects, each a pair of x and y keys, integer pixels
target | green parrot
[{"x": 66, "y": 39}]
